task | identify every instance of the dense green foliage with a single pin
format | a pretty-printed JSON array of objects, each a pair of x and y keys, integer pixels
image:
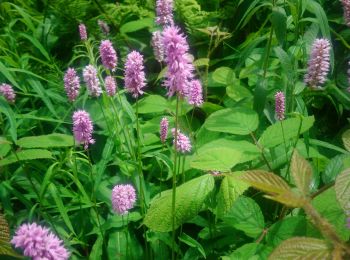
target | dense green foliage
[{"x": 253, "y": 187}]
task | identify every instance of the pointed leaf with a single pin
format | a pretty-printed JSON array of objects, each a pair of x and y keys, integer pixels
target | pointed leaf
[
  {"x": 192, "y": 243},
  {"x": 302, "y": 172},
  {"x": 239, "y": 121},
  {"x": 190, "y": 197},
  {"x": 230, "y": 189},
  {"x": 342, "y": 189},
  {"x": 46, "y": 141},
  {"x": 302, "y": 248},
  {"x": 273, "y": 135},
  {"x": 30, "y": 154}
]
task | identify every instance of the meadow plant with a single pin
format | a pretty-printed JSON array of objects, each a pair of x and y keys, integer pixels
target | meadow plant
[
  {"x": 164, "y": 11},
  {"x": 7, "y": 92},
  {"x": 157, "y": 44},
  {"x": 123, "y": 198},
  {"x": 164, "y": 126},
  {"x": 182, "y": 143},
  {"x": 71, "y": 84},
  {"x": 91, "y": 80},
  {"x": 111, "y": 85},
  {"x": 108, "y": 55},
  {"x": 134, "y": 75},
  {"x": 82, "y": 128},
  {"x": 280, "y": 106},
  {"x": 82, "y": 32},
  {"x": 103, "y": 26}
]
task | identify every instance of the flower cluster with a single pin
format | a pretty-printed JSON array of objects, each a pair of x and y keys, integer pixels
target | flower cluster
[
  {"x": 123, "y": 198},
  {"x": 82, "y": 128},
  {"x": 164, "y": 11},
  {"x": 318, "y": 65},
  {"x": 195, "y": 95},
  {"x": 111, "y": 85},
  {"x": 183, "y": 143},
  {"x": 7, "y": 91},
  {"x": 108, "y": 55},
  {"x": 346, "y": 6},
  {"x": 280, "y": 105},
  {"x": 71, "y": 84},
  {"x": 164, "y": 125},
  {"x": 39, "y": 243},
  {"x": 180, "y": 67},
  {"x": 82, "y": 32},
  {"x": 92, "y": 81},
  {"x": 157, "y": 44},
  {"x": 103, "y": 26},
  {"x": 134, "y": 75}
]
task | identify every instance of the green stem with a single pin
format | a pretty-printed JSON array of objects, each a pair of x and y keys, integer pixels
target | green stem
[
  {"x": 174, "y": 179},
  {"x": 261, "y": 150},
  {"x": 285, "y": 144}
]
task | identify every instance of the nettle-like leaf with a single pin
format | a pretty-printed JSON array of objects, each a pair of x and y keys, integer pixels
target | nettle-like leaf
[
  {"x": 5, "y": 246},
  {"x": 302, "y": 248},
  {"x": 230, "y": 189},
  {"x": 274, "y": 185},
  {"x": 246, "y": 215},
  {"x": 238, "y": 121},
  {"x": 285, "y": 130},
  {"x": 346, "y": 139},
  {"x": 342, "y": 189},
  {"x": 190, "y": 197},
  {"x": 301, "y": 172}
]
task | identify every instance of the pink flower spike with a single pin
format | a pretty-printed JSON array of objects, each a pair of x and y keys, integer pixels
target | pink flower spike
[
  {"x": 346, "y": 7},
  {"x": 164, "y": 125},
  {"x": 7, "y": 91},
  {"x": 318, "y": 65},
  {"x": 157, "y": 44},
  {"x": 71, "y": 84},
  {"x": 39, "y": 243},
  {"x": 92, "y": 81},
  {"x": 183, "y": 143},
  {"x": 108, "y": 55},
  {"x": 134, "y": 75},
  {"x": 82, "y": 32},
  {"x": 195, "y": 93},
  {"x": 280, "y": 105},
  {"x": 103, "y": 26},
  {"x": 82, "y": 128},
  {"x": 111, "y": 85},
  {"x": 123, "y": 198},
  {"x": 164, "y": 9}
]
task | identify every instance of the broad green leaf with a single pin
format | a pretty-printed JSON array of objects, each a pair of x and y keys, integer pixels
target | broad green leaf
[
  {"x": 316, "y": 8},
  {"x": 273, "y": 135},
  {"x": 286, "y": 228},
  {"x": 123, "y": 245},
  {"x": 342, "y": 189},
  {"x": 302, "y": 248},
  {"x": 97, "y": 248},
  {"x": 201, "y": 62},
  {"x": 218, "y": 158},
  {"x": 46, "y": 141},
  {"x": 279, "y": 23},
  {"x": 192, "y": 243},
  {"x": 328, "y": 206},
  {"x": 302, "y": 172},
  {"x": 134, "y": 26},
  {"x": 239, "y": 121},
  {"x": 230, "y": 189},
  {"x": 224, "y": 75},
  {"x": 5, "y": 245},
  {"x": 251, "y": 251},
  {"x": 30, "y": 154},
  {"x": 334, "y": 168},
  {"x": 152, "y": 104},
  {"x": 7, "y": 110},
  {"x": 285, "y": 60},
  {"x": 245, "y": 215},
  {"x": 238, "y": 92},
  {"x": 346, "y": 139},
  {"x": 190, "y": 197},
  {"x": 118, "y": 221}
]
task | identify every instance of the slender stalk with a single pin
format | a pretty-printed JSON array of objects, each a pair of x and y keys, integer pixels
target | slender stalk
[
  {"x": 261, "y": 150},
  {"x": 173, "y": 256},
  {"x": 285, "y": 145}
]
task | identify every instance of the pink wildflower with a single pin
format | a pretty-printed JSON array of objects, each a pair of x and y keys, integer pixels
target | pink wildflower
[
  {"x": 7, "y": 91},
  {"x": 346, "y": 7},
  {"x": 71, "y": 84},
  {"x": 82, "y": 128},
  {"x": 92, "y": 81},
  {"x": 108, "y": 55},
  {"x": 82, "y": 32},
  {"x": 164, "y": 12},
  {"x": 195, "y": 95},
  {"x": 111, "y": 85},
  {"x": 164, "y": 125},
  {"x": 123, "y": 198},
  {"x": 279, "y": 105},
  {"x": 103, "y": 26},
  {"x": 134, "y": 75},
  {"x": 183, "y": 143},
  {"x": 157, "y": 44}
]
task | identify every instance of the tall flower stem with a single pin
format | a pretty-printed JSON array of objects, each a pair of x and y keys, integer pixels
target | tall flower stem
[
  {"x": 285, "y": 144},
  {"x": 174, "y": 177}
]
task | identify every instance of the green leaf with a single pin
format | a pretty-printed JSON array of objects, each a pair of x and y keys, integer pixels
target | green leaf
[
  {"x": 46, "y": 141},
  {"x": 279, "y": 23},
  {"x": 153, "y": 104},
  {"x": 192, "y": 243},
  {"x": 123, "y": 245},
  {"x": 273, "y": 135},
  {"x": 239, "y": 121},
  {"x": 201, "y": 62},
  {"x": 238, "y": 92},
  {"x": 251, "y": 251},
  {"x": 218, "y": 159},
  {"x": 96, "y": 251},
  {"x": 224, "y": 75},
  {"x": 334, "y": 167},
  {"x": 301, "y": 172},
  {"x": 190, "y": 197},
  {"x": 328, "y": 206},
  {"x": 342, "y": 189},
  {"x": 245, "y": 215},
  {"x": 302, "y": 248},
  {"x": 7, "y": 110},
  {"x": 316, "y": 8},
  {"x": 30, "y": 154},
  {"x": 134, "y": 26},
  {"x": 286, "y": 228},
  {"x": 36, "y": 44},
  {"x": 230, "y": 189},
  {"x": 346, "y": 139}
]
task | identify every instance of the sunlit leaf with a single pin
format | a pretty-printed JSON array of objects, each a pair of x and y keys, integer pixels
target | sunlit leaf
[
  {"x": 302, "y": 172},
  {"x": 46, "y": 141},
  {"x": 346, "y": 139},
  {"x": 342, "y": 189},
  {"x": 30, "y": 154}
]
